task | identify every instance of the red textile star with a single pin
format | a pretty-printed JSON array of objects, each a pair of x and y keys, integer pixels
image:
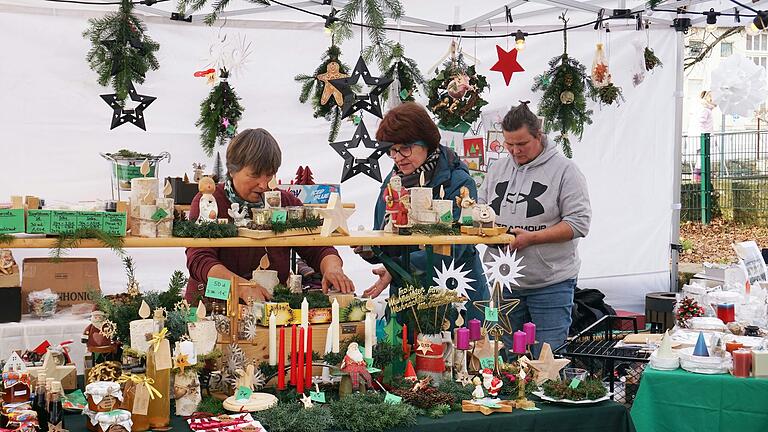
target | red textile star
[{"x": 507, "y": 63}]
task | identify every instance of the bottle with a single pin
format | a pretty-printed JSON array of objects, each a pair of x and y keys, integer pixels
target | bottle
[
  {"x": 39, "y": 403},
  {"x": 55, "y": 410},
  {"x": 159, "y": 409}
]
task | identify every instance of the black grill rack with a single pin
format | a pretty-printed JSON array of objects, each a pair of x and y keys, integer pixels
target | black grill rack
[{"x": 594, "y": 349}]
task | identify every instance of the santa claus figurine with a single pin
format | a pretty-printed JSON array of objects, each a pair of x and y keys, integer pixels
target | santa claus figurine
[
  {"x": 491, "y": 383},
  {"x": 354, "y": 365}
]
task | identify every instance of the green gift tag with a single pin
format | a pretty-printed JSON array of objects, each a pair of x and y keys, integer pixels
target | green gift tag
[
  {"x": 114, "y": 223},
  {"x": 39, "y": 221},
  {"x": 11, "y": 221},
  {"x": 356, "y": 119},
  {"x": 159, "y": 214},
  {"x": 368, "y": 362},
  {"x": 243, "y": 393},
  {"x": 317, "y": 396},
  {"x": 446, "y": 217},
  {"x": 491, "y": 314},
  {"x": 574, "y": 383},
  {"x": 490, "y": 404},
  {"x": 404, "y": 94},
  {"x": 217, "y": 288},
  {"x": 192, "y": 314},
  {"x": 486, "y": 363},
  {"x": 279, "y": 215},
  {"x": 392, "y": 399},
  {"x": 466, "y": 220}
]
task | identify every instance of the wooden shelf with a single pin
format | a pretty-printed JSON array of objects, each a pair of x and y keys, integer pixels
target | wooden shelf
[{"x": 357, "y": 238}]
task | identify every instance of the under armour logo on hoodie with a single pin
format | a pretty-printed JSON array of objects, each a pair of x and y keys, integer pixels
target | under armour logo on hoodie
[{"x": 534, "y": 207}]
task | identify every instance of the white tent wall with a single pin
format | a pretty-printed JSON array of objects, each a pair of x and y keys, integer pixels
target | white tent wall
[{"x": 53, "y": 125}]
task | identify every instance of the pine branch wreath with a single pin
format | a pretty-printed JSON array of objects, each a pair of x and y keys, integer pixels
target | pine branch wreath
[
  {"x": 220, "y": 114},
  {"x": 121, "y": 50},
  {"x": 454, "y": 94},
  {"x": 563, "y": 104}
]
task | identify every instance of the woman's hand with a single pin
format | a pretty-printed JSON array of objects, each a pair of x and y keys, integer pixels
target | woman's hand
[
  {"x": 333, "y": 275},
  {"x": 364, "y": 253},
  {"x": 252, "y": 290},
  {"x": 380, "y": 285}
]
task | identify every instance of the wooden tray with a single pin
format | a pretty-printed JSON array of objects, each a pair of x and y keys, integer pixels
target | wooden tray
[
  {"x": 265, "y": 234},
  {"x": 483, "y": 232},
  {"x": 468, "y": 406}
]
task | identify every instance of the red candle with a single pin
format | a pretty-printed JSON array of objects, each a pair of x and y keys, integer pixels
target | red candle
[
  {"x": 308, "y": 366},
  {"x": 299, "y": 363},
  {"x": 281, "y": 361},
  {"x": 293, "y": 355},
  {"x": 742, "y": 363},
  {"x": 405, "y": 340}
]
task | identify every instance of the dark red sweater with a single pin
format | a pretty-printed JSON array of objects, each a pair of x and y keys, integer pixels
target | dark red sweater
[{"x": 243, "y": 260}]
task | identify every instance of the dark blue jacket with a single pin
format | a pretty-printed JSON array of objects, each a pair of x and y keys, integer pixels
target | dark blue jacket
[{"x": 452, "y": 174}]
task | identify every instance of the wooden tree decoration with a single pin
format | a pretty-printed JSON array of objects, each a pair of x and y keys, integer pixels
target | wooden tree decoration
[
  {"x": 307, "y": 178},
  {"x": 299, "y": 176}
]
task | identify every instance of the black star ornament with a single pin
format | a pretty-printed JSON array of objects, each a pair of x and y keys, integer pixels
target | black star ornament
[
  {"x": 354, "y": 102},
  {"x": 368, "y": 166},
  {"x": 121, "y": 115}
]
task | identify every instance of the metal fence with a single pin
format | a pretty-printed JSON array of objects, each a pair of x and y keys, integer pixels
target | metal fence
[{"x": 725, "y": 175}]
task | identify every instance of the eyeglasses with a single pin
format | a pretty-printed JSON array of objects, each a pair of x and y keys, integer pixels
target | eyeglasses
[{"x": 404, "y": 151}]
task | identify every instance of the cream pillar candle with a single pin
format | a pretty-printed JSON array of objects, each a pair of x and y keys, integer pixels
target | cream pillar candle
[
  {"x": 272, "y": 339},
  {"x": 443, "y": 209},
  {"x": 266, "y": 278},
  {"x": 335, "y": 330},
  {"x": 146, "y": 226},
  {"x": 370, "y": 330},
  {"x": 144, "y": 191},
  {"x": 165, "y": 227},
  {"x": 294, "y": 284}
]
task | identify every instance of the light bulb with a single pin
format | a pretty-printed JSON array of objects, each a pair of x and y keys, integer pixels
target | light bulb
[
  {"x": 520, "y": 44},
  {"x": 752, "y": 29},
  {"x": 711, "y": 28}
]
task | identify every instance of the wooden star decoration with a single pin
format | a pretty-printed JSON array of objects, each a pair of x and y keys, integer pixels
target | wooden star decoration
[
  {"x": 425, "y": 346},
  {"x": 368, "y": 102},
  {"x": 335, "y": 217},
  {"x": 121, "y": 115},
  {"x": 353, "y": 166},
  {"x": 57, "y": 427},
  {"x": 484, "y": 348},
  {"x": 504, "y": 307},
  {"x": 507, "y": 63},
  {"x": 182, "y": 361},
  {"x": 51, "y": 369},
  {"x": 307, "y": 401},
  {"x": 547, "y": 365},
  {"x": 329, "y": 90},
  {"x": 463, "y": 378}
]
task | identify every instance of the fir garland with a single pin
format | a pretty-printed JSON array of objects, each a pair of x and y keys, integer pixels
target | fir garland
[
  {"x": 69, "y": 240},
  {"x": 563, "y": 104},
  {"x": 312, "y": 90},
  {"x": 220, "y": 113},
  {"x": 290, "y": 417},
  {"x": 188, "y": 6},
  {"x": 367, "y": 412},
  {"x": 590, "y": 389},
  {"x": 456, "y": 103},
  {"x": 189, "y": 229},
  {"x": 651, "y": 61},
  {"x": 209, "y": 404},
  {"x": 130, "y": 154},
  {"x": 400, "y": 68},
  {"x": 121, "y": 51},
  {"x": 435, "y": 229}
]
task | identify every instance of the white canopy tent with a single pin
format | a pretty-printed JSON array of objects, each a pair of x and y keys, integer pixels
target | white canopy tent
[{"x": 53, "y": 124}]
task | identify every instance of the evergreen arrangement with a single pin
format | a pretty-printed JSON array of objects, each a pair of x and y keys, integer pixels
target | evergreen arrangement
[
  {"x": 121, "y": 51},
  {"x": 404, "y": 71},
  {"x": 454, "y": 94},
  {"x": 220, "y": 113},
  {"x": 589, "y": 389},
  {"x": 186, "y": 7},
  {"x": 68, "y": 240},
  {"x": 371, "y": 13},
  {"x": 312, "y": 91},
  {"x": 651, "y": 61},
  {"x": 564, "y": 104},
  {"x": 185, "y": 228}
]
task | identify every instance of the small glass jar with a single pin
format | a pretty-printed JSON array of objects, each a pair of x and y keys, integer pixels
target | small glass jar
[
  {"x": 296, "y": 213},
  {"x": 261, "y": 216},
  {"x": 103, "y": 396},
  {"x": 312, "y": 213}
]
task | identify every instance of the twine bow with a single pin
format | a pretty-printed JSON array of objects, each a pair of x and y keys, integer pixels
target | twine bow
[
  {"x": 144, "y": 380},
  {"x": 157, "y": 338}
]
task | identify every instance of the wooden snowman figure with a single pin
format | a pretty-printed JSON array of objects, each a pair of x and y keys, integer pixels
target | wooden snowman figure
[{"x": 209, "y": 209}]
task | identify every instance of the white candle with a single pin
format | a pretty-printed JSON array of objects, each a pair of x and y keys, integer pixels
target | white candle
[
  {"x": 146, "y": 226},
  {"x": 305, "y": 317},
  {"x": 370, "y": 330},
  {"x": 188, "y": 348},
  {"x": 335, "y": 330},
  {"x": 273, "y": 339}
]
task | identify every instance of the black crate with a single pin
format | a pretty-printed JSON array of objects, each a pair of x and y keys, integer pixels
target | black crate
[
  {"x": 595, "y": 350},
  {"x": 10, "y": 304}
]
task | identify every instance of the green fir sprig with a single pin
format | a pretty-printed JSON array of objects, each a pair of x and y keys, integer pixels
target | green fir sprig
[
  {"x": 291, "y": 417},
  {"x": 220, "y": 114},
  {"x": 435, "y": 229},
  {"x": 372, "y": 13},
  {"x": 367, "y": 412},
  {"x": 651, "y": 61},
  {"x": 189, "y": 229},
  {"x": 121, "y": 51},
  {"x": 186, "y": 7},
  {"x": 72, "y": 239}
]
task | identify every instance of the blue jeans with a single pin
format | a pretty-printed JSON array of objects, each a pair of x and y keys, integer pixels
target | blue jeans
[{"x": 548, "y": 307}]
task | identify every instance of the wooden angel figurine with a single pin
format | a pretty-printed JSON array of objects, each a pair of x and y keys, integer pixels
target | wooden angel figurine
[
  {"x": 466, "y": 203},
  {"x": 209, "y": 209},
  {"x": 354, "y": 365},
  {"x": 238, "y": 215}
]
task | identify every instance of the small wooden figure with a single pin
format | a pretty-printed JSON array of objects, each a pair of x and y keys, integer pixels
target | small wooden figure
[
  {"x": 354, "y": 365},
  {"x": 209, "y": 209},
  {"x": 466, "y": 203},
  {"x": 93, "y": 338}
]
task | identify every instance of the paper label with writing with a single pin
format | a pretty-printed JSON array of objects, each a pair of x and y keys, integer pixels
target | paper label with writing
[
  {"x": 491, "y": 314},
  {"x": 192, "y": 317},
  {"x": 140, "y": 400},
  {"x": 114, "y": 223},
  {"x": 90, "y": 220},
  {"x": 392, "y": 399},
  {"x": 63, "y": 221},
  {"x": 39, "y": 221},
  {"x": 163, "y": 356},
  {"x": 486, "y": 362},
  {"x": 159, "y": 214},
  {"x": 243, "y": 394},
  {"x": 317, "y": 396},
  {"x": 279, "y": 215},
  {"x": 217, "y": 288},
  {"x": 11, "y": 221}
]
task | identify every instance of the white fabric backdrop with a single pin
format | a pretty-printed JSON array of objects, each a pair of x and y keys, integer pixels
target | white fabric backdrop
[{"x": 53, "y": 125}]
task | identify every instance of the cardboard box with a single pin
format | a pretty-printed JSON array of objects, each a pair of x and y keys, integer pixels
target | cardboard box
[
  {"x": 312, "y": 194},
  {"x": 71, "y": 278}
]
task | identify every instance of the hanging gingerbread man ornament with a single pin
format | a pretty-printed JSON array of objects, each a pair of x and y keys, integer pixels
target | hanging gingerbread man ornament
[{"x": 331, "y": 73}]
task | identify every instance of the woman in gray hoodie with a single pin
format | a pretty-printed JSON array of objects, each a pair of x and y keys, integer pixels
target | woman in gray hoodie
[{"x": 542, "y": 197}]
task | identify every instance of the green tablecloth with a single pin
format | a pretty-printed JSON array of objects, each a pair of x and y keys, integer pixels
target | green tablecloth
[
  {"x": 682, "y": 401},
  {"x": 605, "y": 416}
]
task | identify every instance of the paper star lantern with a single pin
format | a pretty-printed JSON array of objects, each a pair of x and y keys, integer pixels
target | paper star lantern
[
  {"x": 454, "y": 278},
  {"x": 368, "y": 166},
  {"x": 121, "y": 115},
  {"x": 507, "y": 63},
  {"x": 331, "y": 73},
  {"x": 335, "y": 217},
  {"x": 51, "y": 369},
  {"x": 503, "y": 269},
  {"x": 547, "y": 365},
  {"x": 368, "y": 102}
]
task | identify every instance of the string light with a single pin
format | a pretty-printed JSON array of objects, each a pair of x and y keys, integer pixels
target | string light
[
  {"x": 520, "y": 40},
  {"x": 712, "y": 20}
]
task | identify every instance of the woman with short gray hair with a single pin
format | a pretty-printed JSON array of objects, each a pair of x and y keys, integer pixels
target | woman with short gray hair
[{"x": 253, "y": 158}]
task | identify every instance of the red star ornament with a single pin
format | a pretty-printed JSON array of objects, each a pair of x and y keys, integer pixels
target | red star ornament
[{"x": 507, "y": 63}]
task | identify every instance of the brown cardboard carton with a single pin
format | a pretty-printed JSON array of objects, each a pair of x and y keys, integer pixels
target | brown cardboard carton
[{"x": 71, "y": 278}]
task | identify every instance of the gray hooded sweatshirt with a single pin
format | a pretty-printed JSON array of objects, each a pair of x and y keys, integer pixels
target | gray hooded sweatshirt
[{"x": 535, "y": 196}]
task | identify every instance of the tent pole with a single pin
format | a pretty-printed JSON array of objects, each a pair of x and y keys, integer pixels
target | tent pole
[{"x": 675, "y": 235}]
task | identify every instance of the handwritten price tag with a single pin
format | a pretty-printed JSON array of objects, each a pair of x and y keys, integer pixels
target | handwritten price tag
[
  {"x": 491, "y": 314},
  {"x": 217, "y": 288},
  {"x": 392, "y": 399},
  {"x": 486, "y": 362},
  {"x": 318, "y": 397},
  {"x": 243, "y": 393},
  {"x": 574, "y": 383}
]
